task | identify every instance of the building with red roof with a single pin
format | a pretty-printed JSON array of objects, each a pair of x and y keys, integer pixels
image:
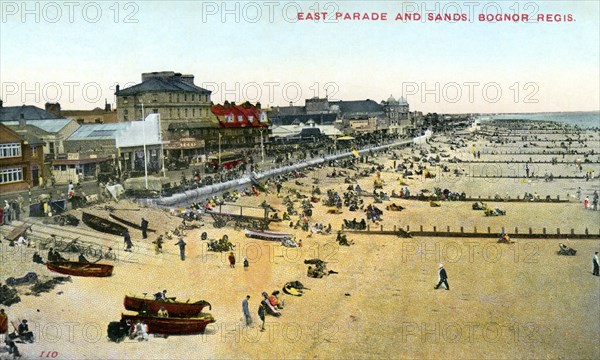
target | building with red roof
[{"x": 241, "y": 125}]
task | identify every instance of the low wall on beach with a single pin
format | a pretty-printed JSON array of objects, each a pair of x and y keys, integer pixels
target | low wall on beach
[{"x": 207, "y": 191}]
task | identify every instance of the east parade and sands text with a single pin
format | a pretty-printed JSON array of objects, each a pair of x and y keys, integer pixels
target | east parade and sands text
[{"x": 435, "y": 17}]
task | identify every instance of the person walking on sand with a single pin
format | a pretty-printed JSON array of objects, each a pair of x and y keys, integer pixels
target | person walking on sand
[
  {"x": 443, "y": 277},
  {"x": 246, "y": 310},
  {"x": 596, "y": 264},
  {"x": 6, "y": 213},
  {"x": 231, "y": 258},
  {"x": 181, "y": 244},
  {"x": 586, "y": 203},
  {"x": 3, "y": 322},
  {"x": 127, "y": 240},
  {"x": 246, "y": 263},
  {"x": 158, "y": 245},
  {"x": 261, "y": 315},
  {"x": 144, "y": 226}
]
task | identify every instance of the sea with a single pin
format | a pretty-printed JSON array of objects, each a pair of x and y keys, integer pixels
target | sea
[{"x": 582, "y": 119}]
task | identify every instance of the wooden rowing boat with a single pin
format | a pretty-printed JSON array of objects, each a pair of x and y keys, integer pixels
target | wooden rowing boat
[
  {"x": 76, "y": 268},
  {"x": 174, "y": 308},
  {"x": 267, "y": 235},
  {"x": 129, "y": 223},
  {"x": 102, "y": 224},
  {"x": 172, "y": 325}
]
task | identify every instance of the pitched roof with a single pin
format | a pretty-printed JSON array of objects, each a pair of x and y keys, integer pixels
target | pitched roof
[
  {"x": 49, "y": 126},
  {"x": 29, "y": 112},
  {"x": 23, "y": 134},
  {"x": 163, "y": 84},
  {"x": 249, "y": 115},
  {"x": 359, "y": 106},
  {"x": 30, "y": 138},
  {"x": 304, "y": 118},
  {"x": 288, "y": 110},
  {"x": 98, "y": 131}
]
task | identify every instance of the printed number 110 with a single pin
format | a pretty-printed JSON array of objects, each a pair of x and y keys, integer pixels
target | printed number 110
[{"x": 49, "y": 354}]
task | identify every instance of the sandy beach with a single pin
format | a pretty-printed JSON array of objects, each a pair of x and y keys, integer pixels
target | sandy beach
[{"x": 506, "y": 301}]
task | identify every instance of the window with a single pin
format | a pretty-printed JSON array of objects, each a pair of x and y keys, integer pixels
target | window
[
  {"x": 33, "y": 150},
  {"x": 10, "y": 150},
  {"x": 194, "y": 112},
  {"x": 185, "y": 113},
  {"x": 154, "y": 98},
  {"x": 177, "y": 97},
  {"x": 155, "y": 111},
  {"x": 170, "y": 97},
  {"x": 11, "y": 175},
  {"x": 184, "y": 97}
]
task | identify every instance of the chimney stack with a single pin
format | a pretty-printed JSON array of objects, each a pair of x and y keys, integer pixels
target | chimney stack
[
  {"x": 106, "y": 105},
  {"x": 1, "y": 103},
  {"x": 53, "y": 108},
  {"x": 22, "y": 121}
]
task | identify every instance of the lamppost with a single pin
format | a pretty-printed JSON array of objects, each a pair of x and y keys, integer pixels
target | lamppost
[
  {"x": 145, "y": 161},
  {"x": 262, "y": 146},
  {"x": 220, "y": 135},
  {"x": 162, "y": 150}
]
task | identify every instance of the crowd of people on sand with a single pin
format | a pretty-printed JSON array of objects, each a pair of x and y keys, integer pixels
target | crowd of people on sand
[
  {"x": 20, "y": 334},
  {"x": 273, "y": 304}
]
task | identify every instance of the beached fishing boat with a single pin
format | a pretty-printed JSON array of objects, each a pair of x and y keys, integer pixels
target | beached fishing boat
[
  {"x": 174, "y": 308},
  {"x": 76, "y": 268},
  {"x": 129, "y": 223},
  {"x": 102, "y": 225},
  {"x": 267, "y": 235},
  {"x": 172, "y": 325}
]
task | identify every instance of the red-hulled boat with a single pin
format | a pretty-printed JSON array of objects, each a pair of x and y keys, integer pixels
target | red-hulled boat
[
  {"x": 76, "y": 268},
  {"x": 174, "y": 308},
  {"x": 172, "y": 325}
]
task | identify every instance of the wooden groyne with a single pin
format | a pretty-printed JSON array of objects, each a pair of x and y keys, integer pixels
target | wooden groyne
[{"x": 461, "y": 232}]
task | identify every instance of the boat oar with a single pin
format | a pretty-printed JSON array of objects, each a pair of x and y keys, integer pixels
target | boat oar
[{"x": 16, "y": 327}]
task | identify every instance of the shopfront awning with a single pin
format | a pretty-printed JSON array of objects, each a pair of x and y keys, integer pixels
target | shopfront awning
[
  {"x": 80, "y": 161},
  {"x": 183, "y": 144}
]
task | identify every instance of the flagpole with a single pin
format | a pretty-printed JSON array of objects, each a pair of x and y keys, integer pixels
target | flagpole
[{"x": 145, "y": 162}]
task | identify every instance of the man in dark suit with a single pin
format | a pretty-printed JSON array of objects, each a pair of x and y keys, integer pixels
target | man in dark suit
[
  {"x": 144, "y": 227},
  {"x": 443, "y": 277}
]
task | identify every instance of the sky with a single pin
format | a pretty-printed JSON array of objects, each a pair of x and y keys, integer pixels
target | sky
[{"x": 75, "y": 52}]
